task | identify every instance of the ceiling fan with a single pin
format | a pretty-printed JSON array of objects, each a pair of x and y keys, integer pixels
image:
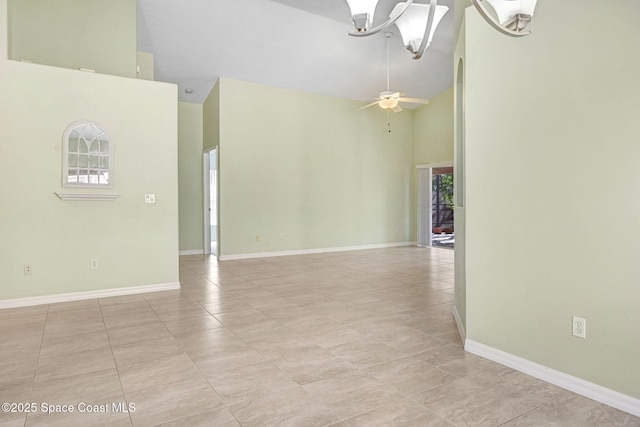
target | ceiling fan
[{"x": 388, "y": 99}]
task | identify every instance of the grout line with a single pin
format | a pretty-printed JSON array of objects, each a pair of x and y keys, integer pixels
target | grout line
[
  {"x": 124, "y": 395},
  {"x": 35, "y": 371}
]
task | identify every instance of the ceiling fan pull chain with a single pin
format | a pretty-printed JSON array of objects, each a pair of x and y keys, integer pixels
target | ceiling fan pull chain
[
  {"x": 389, "y": 100},
  {"x": 388, "y": 35}
]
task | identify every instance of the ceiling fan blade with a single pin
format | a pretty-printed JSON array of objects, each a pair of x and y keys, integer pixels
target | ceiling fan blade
[
  {"x": 368, "y": 105},
  {"x": 397, "y": 108},
  {"x": 414, "y": 100}
]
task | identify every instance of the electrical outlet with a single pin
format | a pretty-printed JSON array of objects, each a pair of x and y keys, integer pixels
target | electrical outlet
[
  {"x": 94, "y": 264},
  {"x": 27, "y": 270},
  {"x": 281, "y": 236},
  {"x": 257, "y": 237},
  {"x": 149, "y": 198},
  {"x": 579, "y": 327}
]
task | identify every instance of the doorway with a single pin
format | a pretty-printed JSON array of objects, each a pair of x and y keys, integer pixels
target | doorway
[
  {"x": 435, "y": 205},
  {"x": 210, "y": 168},
  {"x": 442, "y": 213}
]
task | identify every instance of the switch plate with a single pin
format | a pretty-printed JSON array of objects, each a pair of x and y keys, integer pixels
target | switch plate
[
  {"x": 94, "y": 264},
  {"x": 149, "y": 198}
]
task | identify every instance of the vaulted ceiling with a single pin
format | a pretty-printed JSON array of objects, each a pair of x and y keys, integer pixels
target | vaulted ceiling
[{"x": 295, "y": 44}]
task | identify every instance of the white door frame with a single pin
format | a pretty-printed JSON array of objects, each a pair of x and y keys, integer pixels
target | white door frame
[
  {"x": 206, "y": 165},
  {"x": 424, "y": 200}
]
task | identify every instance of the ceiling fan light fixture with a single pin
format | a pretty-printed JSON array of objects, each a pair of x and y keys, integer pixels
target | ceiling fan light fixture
[
  {"x": 387, "y": 101},
  {"x": 510, "y": 17},
  {"x": 362, "y": 12},
  {"x": 415, "y": 25}
]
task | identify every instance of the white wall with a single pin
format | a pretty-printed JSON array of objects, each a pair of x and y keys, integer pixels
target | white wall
[
  {"x": 75, "y": 34},
  {"x": 552, "y": 176},
  {"x": 191, "y": 177},
  {"x": 136, "y": 244},
  {"x": 305, "y": 171},
  {"x": 459, "y": 81},
  {"x": 433, "y": 130}
]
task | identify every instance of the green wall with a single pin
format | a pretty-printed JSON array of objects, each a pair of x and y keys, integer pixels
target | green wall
[
  {"x": 552, "y": 160},
  {"x": 75, "y": 34},
  {"x": 135, "y": 243},
  {"x": 304, "y": 171},
  {"x": 460, "y": 307},
  {"x": 459, "y": 7},
  {"x": 190, "y": 176},
  {"x": 433, "y": 130},
  {"x": 211, "y": 119}
]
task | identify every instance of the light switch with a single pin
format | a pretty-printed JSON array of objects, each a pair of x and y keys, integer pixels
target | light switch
[{"x": 149, "y": 198}]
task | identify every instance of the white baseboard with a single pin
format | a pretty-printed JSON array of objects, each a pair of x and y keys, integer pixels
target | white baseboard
[
  {"x": 191, "y": 252},
  {"x": 312, "y": 251},
  {"x": 461, "y": 331},
  {"x": 593, "y": 391},
  {"x": 77, "y": 296}
]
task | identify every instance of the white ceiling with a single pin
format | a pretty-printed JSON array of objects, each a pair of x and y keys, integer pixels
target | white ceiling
[{"x": 295, "y": 44}]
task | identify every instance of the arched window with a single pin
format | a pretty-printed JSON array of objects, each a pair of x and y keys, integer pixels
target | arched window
[{"x": 87, "y": 156}]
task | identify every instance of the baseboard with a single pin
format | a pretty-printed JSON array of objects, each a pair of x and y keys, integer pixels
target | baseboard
[
  {"x": 593, "y": 391},
  {"x": 77, "y": 296},
  {"x": 461, "y": 331},
  {"x": 311, "y": 251},
  {"x": 191, "y": 252}
]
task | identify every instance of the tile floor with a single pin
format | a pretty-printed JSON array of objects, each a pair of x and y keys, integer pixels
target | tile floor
[{"x": 362, "y": 338}]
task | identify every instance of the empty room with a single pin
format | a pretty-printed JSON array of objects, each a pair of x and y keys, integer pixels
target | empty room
[{"x": 319, "y": 213}]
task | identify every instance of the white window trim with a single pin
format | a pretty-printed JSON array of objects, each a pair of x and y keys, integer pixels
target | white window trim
[
  {"x": 65, "y": 157},
  {"x": 82, "y": 197}
]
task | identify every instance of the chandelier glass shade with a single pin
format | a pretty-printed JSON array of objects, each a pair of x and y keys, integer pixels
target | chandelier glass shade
[
  {"x": 510, "y": 17},
  {"x": 417, "y": 22},
  {"x": 362, "y": 13}
]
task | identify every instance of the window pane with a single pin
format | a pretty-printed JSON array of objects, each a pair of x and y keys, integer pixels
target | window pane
[
  {"x": 104, "y": 162},
  {"x": 73, "y": 142},
  {"x": 104, "y": 146},
  {"x": 94, "y": 146},
  {"x": 87, "y": 154},
  {"x": 91, "y": 132},
  {"x": 82, "y": 146}
]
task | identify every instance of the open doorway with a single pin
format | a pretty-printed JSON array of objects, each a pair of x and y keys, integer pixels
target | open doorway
[
  {"x": 435, "y": 205},
  {"x": 442, "y": 213},
  {"x": 210, "y": 168}
]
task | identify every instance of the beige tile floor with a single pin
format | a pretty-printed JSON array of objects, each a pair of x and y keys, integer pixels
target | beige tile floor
[{"x": 362, "y": 338}]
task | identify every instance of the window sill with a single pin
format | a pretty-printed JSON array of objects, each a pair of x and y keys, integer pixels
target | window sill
[{"x": 87, "y": 197}]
